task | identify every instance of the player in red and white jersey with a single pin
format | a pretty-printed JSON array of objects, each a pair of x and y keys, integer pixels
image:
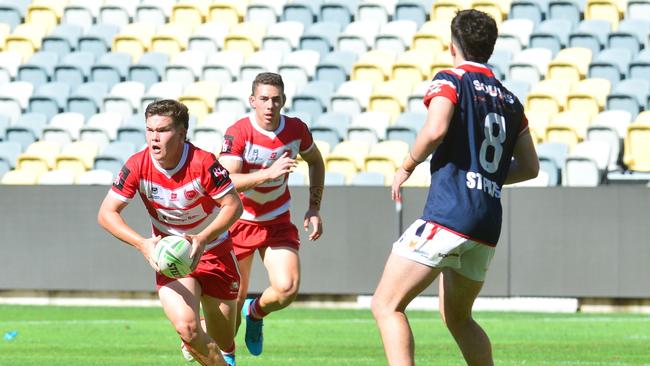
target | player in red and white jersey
[
  {"x": 187, "y": 193},
  {"x": 260, "y": 151}
]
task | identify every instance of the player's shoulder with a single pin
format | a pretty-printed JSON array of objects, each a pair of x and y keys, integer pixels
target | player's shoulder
[
  {"x": 291, "y": 121},
  {"x": 241, "y": 126}
]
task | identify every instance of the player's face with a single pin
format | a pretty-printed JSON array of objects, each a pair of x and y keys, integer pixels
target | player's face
[
  {"x": 165, "y": 140},
  {"x": 267, "y": 103}
]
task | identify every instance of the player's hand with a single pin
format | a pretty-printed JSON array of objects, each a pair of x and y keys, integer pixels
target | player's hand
[
  {"x": 280, "y": 167},
  {"x": 198, "y": 247},
  {"x": 313, "y": 217},
  {"x": 400, "y": 177},
  {"x": 147, "y": 249}
]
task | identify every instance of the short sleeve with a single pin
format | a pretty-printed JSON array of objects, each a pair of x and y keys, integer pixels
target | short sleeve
[
  {"x": 523, "y": 126},
  {"x": 306, "y": 139},
  {"x": 215, "y": 178},
  {"x": 444, "y": 84},
  {"x": 126, "y": 184},
  {"x": 233, "y": 143}
]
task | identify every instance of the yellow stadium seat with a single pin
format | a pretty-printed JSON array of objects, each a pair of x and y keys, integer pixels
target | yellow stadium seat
[
  {"x": 77, "y": 156},
  {"x": 347, "y": 158},
  {"x": 229, "y": 12},
  {"x": 492, "y": 8},
  {"x": 25, "y": 39},
  {"x": 390, "y": 97},
  {"x": 413, "y": 66},
  {"x": 171, "y": 38},
  {"x": 569, "y": 127},
  {"x": 44, "y": 151},
  {"x": 643, "y": 118},
  {"x": 20, "y": 177},
  {"x": 604, "y": 9},
  {"x": 589, "y": 95},
  {"x": 433, "y": 37},
  {"x": 548, "y": 96},
  {"x": 43, "y": 14},
  {"x": 537, "y": 122},
  {"x": 385, "y": 157},
  {"x": 245, "y": 37},
  {"x": 324, "y": 147},
  {"x": 374, "y": 66},
  {"x": 134, "y": 39},
  {"x": 445, "y": 10},
  {"x": 189, "y": 12},
  {"x": 200, "y": 97},
  {"x": 637, "y": 147},
  {"x": 570, "y": 64},
  {"x": 57, "y": 177},
  {"x": 442, "y": 61}
]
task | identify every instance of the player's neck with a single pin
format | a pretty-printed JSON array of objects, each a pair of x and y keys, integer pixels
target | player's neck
[{"x": 267, "y": 125}]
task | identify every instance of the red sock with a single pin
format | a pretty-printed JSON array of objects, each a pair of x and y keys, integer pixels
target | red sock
[{"x": 255, "y": 310}]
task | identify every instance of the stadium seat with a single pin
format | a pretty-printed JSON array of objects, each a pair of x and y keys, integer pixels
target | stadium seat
[
  {"x": 549, "y": 96},
  {"x": 116, "y": 12},
  {"x": 62, "y": 40},
  {"x": 87, "y": 98},
  {"x": 532, "y": 10},
  {"x": 111, "y": 68},
  {"x": 638, "y": 9},
  {"x": 320, "y": 37},
  {"x": 25, "y": 39},
  {"x": 610, "y": 127},
  {"x": 606, "y": 10},
  {"x": 591, "y": 34},
  {"x": 447, "y": 9},
  {"x": 171, "y": 38},
  {"x": 9, "y": 152},
  {"x": 185, "y": 67},
  {"x": 200, "y": 97},
  {"x": 589, "y": 95},
  {"x": 313, "y": 98},
  {"x": 9, "y": 63},
  {"x": 98, "y": 39},
  {"x": 331, "y": 127},
  {"x": 266, "y": 12},
  {"x": 341, "y": 12},
  {"x": 406, "y": 127},
  {"x": 334, "y": 179},
  {"x": 369, "y": 127},
  {"x": 368, "y": 179},
  {"x": 517, "y": 29},
  {"x": 77, "y": 157},
  {"x": 234, "y": 98},
  {"x": 95, "y": 177},
  {"x": 421, "y": 176},
  {"x": 303, "y": 11},
  {"x": 14, "y": 98},
  {"x": 296, "y": 179},
  {"x": 223, "y": 66},
  {"x": 20, "y": 177},
  {"x": 38, "y": 70},
  {"x": 374, "y": 66},
  {"x": 124, "y": 98},
  {"x": 299, "y": 67},
  {"x": 640, "y": 66},
  {"x": 570, "y": 64},
  {"x": 552, "y": 157},
  {"x": 27, "y": 129},
  {"x": 611, "y": 64},
  {"x": 154, "y": 12},
  {"x": 39, "y": 156},
  {"x": 530, "y": 65},
  {"x": 149, "y": 69},
  {"x": 56, "y": 177},
  {"x": 347, "y": 158},
  {"x": 395, "y": 36},
  {"x": 230, "y": 12},
  {"x": 568, "y": 127},
  {"x": 134, "y": 39},
  {"x": 637, "y": 148},
  {"x": 49, "y": 98},
  {"x": 190, "y": 13},
  {"x": 412, "y": 67},
  {"x": 631, "y": 34},
  {"x": 335, "y": 67},
  {"x": 101, "y": 129},
  {"x": 81, "y": 12},
  {"x": 208, "y": 37},
  {"x": 552, "y": 34},
  {"x": 629, "y": 95},
  {"x": 63, "y": 128},
  {"x": 113, "y": 156},
  {"x": 358, "y": 37},
  {"x": 257, "y": 62},
  {"x": 390, "y": 97},
  {"x": 74, "y": 68},
  {"x": 586, "y": 164},
  {"x": 12, "y": 13},
  {"x": 245, "y": 37},
  {"x": 351, "y": 97},
  {"x": 207, "y": 138},
  {"x": 566, "y": 9},
  {"x": 385, "y": 157},
  {"x": 283, "y": 36}
]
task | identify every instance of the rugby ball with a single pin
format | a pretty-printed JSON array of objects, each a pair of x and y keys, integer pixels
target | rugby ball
[{"x": 172, "y": 253}]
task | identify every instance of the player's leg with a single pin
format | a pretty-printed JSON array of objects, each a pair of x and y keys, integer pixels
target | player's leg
[
  {"x": 220, "y": 318},
  {"x": 457, "y": 295},
  {"x": 283, "y": 268},
  {"x": 180, "y": 301},
  {"x": 245, "y": 265},
  {"x": 402, "y": 280}
]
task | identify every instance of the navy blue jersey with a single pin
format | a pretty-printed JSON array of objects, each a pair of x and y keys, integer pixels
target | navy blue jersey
[{"x": 470, "y": 165}]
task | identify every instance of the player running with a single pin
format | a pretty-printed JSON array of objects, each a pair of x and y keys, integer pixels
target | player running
[
  {"x": 475, "y": 126},
  {"x": 187, "y": 193},
  {"x": 260, "y": 151}
]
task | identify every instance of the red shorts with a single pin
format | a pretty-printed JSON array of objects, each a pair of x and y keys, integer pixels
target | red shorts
[
  {"x": 217, "y": 274},
  {"x": 247, "y": 237}
]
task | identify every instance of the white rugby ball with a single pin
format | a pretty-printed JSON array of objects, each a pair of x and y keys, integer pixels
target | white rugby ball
[{"x": 172, "y": 254}]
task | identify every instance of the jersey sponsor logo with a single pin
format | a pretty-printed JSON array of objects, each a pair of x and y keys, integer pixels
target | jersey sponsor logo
[
  {"x": 493, "y": 91},
  {"x": 191, "y": 194},
  {"x": 227, "y": 144},
  {"x": 476, "y": 180},
  {"x": 437, "y": 85},
  {"x": 219, "y": 174},
  {"x": 118, "y": 182}
]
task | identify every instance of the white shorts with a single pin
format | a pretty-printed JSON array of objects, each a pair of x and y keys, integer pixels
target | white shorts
[{"x": 434, "y": 246}]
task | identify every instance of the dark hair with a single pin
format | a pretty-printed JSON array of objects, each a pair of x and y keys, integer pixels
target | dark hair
[
  {"x": 268, "y": 78},
  {"x": 475, "y": 33},
  {"x": 169, "y": 108}
]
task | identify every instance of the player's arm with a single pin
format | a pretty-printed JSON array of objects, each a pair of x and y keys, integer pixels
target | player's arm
[
  {"x": 230, "y": 210},
  {"x": 110, "y": 218},
  {"x": 246, "y": 181},
  {"x": 439, "y": 115},
  {"x": 316, "y": 165},
  {"x": 525, "y": 164}
]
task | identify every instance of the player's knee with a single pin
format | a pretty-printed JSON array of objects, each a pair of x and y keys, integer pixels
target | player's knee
[
  {"x": 187, "y": 330},
  {"x": 456, "y": 320},
  {"x": 378, "y": 307},
  {"x": 286, "y": 290}
]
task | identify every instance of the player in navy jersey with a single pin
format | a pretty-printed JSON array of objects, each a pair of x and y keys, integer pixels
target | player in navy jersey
[{"x": 481, "y": 140}]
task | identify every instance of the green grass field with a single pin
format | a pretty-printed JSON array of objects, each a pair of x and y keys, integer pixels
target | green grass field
[{"x": 142, "y": 336}]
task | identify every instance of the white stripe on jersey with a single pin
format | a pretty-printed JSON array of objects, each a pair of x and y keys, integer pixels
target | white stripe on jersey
[
  {"x": 167, "y": 230},
  {"x": 177, "y": 198},
  {"x": 249, "y": 216}
]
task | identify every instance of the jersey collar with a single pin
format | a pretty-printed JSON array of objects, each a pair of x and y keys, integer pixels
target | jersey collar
[
  {"x": 269, "y": 134},
  {"x": 170, "y": 173}
]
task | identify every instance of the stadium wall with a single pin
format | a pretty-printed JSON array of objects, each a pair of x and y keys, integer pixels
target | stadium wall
[{"x": 555, "y": 242}]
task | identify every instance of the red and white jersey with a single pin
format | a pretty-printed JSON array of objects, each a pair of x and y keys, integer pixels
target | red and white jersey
[
  {"x": 180, "y": 200},
  {"x": 258, "y": 149}
]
